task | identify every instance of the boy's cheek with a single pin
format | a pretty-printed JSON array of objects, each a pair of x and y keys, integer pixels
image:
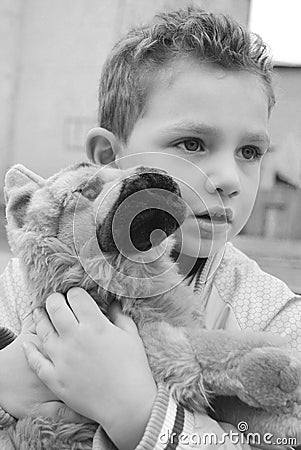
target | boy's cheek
[{"x": 189, "y": 241}]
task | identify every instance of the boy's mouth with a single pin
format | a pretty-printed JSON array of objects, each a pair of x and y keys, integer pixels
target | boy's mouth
[
  {"x": 213, "y": 219},
  {"x": 212, "y": 223},
  {"x": 216, "y": 215}
]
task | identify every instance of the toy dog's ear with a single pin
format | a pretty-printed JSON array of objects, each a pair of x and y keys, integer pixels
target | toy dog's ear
[{"x": 20, "y": 183}]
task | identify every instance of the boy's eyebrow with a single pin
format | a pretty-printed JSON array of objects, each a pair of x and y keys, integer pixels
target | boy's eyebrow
[
  {"x": 192, "y": 127},
  {"x": 203, "y": 128},
  {"x": 258, "y": 137}
]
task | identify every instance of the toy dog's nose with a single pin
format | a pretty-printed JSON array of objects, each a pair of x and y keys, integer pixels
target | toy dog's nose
[
  {"x": 146, "y": 178},
  {"x": 148, "y": 209},
  {"x": 144, "y": 169}
]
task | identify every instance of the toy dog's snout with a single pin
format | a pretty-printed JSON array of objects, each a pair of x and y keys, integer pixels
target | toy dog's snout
[{"x": 148, "y": 208}]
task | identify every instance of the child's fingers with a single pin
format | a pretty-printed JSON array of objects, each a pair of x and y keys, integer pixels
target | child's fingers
[
  {"x": 60, "y": 411},
  {"x": 42, "y": 366},
  {"x": 28, "y": 324},
  {"x": 44, "y": 329},
  {"x": 68, "y": 415},
  {"x": 85, "y": 308},
  {"x": 121, "y": 320},
  {"x": 61, "y": 315}
]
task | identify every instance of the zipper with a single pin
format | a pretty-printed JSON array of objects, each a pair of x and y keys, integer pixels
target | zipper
[{"x": 202, "y": 275}]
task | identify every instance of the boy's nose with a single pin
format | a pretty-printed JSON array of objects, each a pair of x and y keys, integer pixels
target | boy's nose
[{"x": 224, "y": 179}]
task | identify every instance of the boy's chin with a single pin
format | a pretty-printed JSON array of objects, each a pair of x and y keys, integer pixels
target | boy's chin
[{"x": 199, "y": 248}]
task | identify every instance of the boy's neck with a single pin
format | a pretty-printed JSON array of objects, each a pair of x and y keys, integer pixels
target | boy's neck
[{"x": 187, "y": 264}]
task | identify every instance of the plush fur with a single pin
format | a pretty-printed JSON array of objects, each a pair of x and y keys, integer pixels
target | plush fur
[
  {"x": 41, "y": 433},
  {"x": 73, "y": 229}
]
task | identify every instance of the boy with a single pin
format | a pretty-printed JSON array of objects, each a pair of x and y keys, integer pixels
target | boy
[{"x": 191, "y": 95}]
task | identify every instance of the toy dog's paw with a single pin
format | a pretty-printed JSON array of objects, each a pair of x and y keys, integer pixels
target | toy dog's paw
[{"x": 271, "y": 378}]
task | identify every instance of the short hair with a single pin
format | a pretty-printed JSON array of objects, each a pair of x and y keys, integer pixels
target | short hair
[{"x": 146, "y": 51}]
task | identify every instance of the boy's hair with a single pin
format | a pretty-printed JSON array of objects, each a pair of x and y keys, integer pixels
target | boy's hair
[{"x": 145, "y": 52}]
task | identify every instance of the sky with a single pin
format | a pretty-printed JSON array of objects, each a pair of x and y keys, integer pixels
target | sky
[{"x": 278, "y": 22}]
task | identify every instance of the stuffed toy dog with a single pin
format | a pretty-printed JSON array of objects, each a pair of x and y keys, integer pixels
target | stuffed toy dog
[{"x": 110, "y": 232}]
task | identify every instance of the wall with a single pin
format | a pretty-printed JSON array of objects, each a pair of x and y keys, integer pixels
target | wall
[
  {"x": 11, "y": 13},
  {"x": 285, "y": 123}
]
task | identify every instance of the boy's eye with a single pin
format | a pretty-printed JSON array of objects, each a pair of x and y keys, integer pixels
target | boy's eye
[
  {"x": 251, "y": 153},
  {"x": 191, "y": 145}
]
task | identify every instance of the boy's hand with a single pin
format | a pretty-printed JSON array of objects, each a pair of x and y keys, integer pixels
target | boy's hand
[
  {"x": 21, "y": 391},
  {"x": 100, "y": 370}
]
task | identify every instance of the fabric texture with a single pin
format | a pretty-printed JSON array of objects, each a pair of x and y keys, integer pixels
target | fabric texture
[{"x": 236, "y": 293}]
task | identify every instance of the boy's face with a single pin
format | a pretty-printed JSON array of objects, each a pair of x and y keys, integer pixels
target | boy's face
[{"x": 207, "y": 127}]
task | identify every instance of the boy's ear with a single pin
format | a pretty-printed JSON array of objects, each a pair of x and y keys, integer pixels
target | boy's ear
[
  {"x": 102, "y": 146},
  {"x": 19, "y": 185}
]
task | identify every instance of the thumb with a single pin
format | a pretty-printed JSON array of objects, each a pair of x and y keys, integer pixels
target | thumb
[
  {"x": 121, "y": 320},
  {"x": 59, "y": 410}
]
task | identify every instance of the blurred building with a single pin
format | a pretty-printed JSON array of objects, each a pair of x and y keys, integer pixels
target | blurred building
[{"x": 277, "y": 211}]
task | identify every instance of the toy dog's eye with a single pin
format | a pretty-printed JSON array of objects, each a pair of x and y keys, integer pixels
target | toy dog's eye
[
  {"x": 90, "y": 193},
  {"x": 91, "y": 190}
]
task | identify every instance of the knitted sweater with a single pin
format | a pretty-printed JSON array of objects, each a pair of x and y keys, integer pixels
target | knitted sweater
[{"x": 237, "y": 295}]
